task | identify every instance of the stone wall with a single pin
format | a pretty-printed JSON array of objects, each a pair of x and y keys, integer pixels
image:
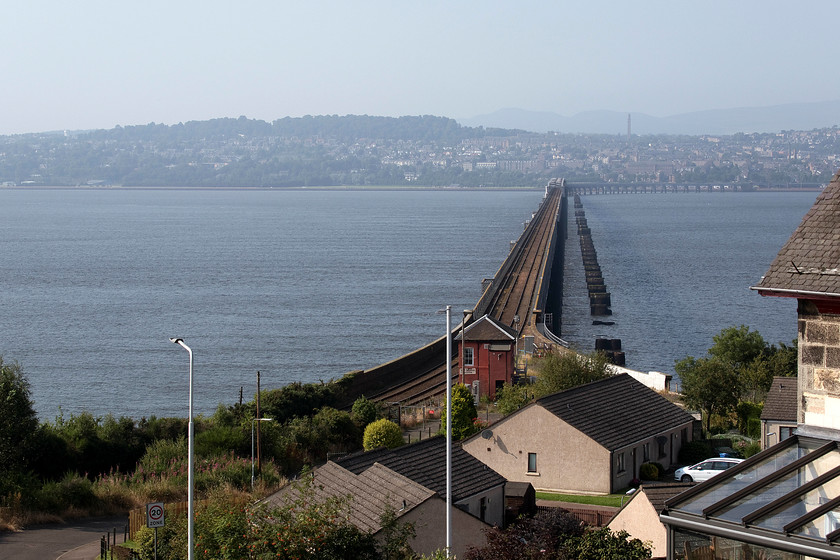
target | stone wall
[{"x": 819, "y": 365}]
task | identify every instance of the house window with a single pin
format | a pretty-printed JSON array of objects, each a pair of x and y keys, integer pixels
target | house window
[
  {"x": 532, "y": 462},
  {"x": 661, "y": 441},
  {"x": 468, "y": 356},
  {"x": 646, "y": 452},
  {"x": 785, "y": 432},
  {"x": 621, "y": 462},
  {"x": 482, "y": 511}
]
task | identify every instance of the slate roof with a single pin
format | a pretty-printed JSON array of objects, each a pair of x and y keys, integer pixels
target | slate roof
[
  {"x": 488, "y": 330},
  {"x": 616, "y": 411},
  {"x": 781, "y": 400},
  {"x": 372, "y": 491},
  {"x": 810, "y": 260},
  {"x": 658, "y": 494},
  {"x": 424, "y": 462}
]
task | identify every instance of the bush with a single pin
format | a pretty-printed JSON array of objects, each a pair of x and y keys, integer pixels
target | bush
[
  {"x": 382, "y": 433},
  {"x": 649, "y": 471},
  {"x": 695, "y": 451},
  {"x": 364, "y": 411}
]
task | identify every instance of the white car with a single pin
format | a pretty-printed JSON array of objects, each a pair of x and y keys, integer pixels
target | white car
[{"x": 704, "y": 470}]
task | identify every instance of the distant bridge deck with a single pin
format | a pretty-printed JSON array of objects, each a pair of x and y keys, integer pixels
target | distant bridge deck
[{"x": 516, "y": 297}]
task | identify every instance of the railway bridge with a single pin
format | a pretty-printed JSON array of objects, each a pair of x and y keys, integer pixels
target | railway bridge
[{"x": 524, "y": 296}]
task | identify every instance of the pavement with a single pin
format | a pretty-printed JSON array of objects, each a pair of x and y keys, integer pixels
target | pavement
[{"x": 75, "y": 540}]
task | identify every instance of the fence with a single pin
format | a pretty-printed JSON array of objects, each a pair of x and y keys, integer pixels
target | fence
[
  {"x": 137, "y": 517},
  {"x": 593, "y": 517}
]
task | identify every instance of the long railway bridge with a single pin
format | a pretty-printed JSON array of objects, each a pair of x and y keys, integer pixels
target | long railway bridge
[{"x": 521, "y": 296}]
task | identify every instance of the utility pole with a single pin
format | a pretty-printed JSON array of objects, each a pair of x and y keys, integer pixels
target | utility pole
[{"x": 259, "y": 455}]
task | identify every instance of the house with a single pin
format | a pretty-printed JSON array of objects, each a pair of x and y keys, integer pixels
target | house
[
  {"x": 378, "y": 489},
  {"x": 785, "y": 501},
  {"x": 488, "y": 349},
  {"x": 591, "y": 439},
  {"x": 778, "y": 417},
  {"x": 639, "y": 516},
  {"x": 478, "y": 492}
]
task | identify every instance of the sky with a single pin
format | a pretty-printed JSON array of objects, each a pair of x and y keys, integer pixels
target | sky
[{"x": 98, "y": 64}]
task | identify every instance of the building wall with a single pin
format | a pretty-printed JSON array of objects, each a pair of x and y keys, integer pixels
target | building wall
[
  {"x": 774, "y": 431},
  {"x": 642, "y": 522},
  {"x": 818, "y": 388},
  {"x": 567, "y": 460},
  {"x": 494, "y": 500},
  {"x": 429, "y": 520},
  {"x": 489, "y": 366}
]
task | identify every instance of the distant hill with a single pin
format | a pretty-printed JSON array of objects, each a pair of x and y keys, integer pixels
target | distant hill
[{"x": 795, "y": 116}]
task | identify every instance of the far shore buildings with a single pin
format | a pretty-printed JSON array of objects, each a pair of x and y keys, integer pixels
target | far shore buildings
[{"x": 784, "y": 503}]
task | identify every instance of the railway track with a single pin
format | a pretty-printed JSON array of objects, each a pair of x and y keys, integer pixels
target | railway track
[{"x": 510, "y": 295}]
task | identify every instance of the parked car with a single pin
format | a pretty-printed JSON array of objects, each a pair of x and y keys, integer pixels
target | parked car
[{"x": 704, "y": 470}]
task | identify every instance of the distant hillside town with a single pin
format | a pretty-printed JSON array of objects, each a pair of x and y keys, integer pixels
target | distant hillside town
[{"x": 424, "y": 151}]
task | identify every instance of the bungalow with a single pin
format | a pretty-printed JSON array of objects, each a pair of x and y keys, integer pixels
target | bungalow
[
  {"x": 639, "y": 516},
  {"x": 379, "y": 489},
  {"x": 778, "y": 417},
  {"x": 478, "y": 492},
  {"x": 590, "y": 439},
  {"x": 785, "y": 501}
]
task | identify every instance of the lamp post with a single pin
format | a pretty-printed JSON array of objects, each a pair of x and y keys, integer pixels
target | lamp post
[
  {"x": 190, "y": 457},
  {"x": 449, "y": 429},
  {"x": 253, "y": 422}
]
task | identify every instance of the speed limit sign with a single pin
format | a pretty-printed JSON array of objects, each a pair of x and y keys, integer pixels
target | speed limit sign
[{"x": 154, "y": 515}]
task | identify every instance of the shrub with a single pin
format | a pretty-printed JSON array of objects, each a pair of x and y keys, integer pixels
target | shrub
[
  {"x": 382, "y": 433},
  {"x": 649, "y": 471},
  {"x": 364, "y": 411}
]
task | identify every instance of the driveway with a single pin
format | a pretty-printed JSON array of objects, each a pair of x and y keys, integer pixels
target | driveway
[{"x": 75, "y": 540}]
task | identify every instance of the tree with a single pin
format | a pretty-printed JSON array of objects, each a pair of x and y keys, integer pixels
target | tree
[
  {"x": 709, "y": 385},
  {"x": 737, "y": 346},
  {"x": 365, "y": 411},
  {"x": 565, "y": 370},
  {"x": 464, "y": 413},
  {"x": 18, "y": 421},
  {"x": 382, "y": 433}
]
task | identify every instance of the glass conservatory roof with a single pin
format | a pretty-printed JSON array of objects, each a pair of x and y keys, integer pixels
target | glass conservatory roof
[{"x": 787, "y": 496}]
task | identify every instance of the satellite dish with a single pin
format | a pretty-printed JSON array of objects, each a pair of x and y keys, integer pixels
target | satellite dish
[{"x": 487, "y": 434}]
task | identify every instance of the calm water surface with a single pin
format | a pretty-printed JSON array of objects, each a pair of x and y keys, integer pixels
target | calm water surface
[
  {"x": 300, "y": 285},
  {"x": 308, "y": 285},
  {"x": 679, "y": 267}
]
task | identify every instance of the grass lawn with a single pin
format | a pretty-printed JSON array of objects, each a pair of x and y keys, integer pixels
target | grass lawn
[{"x": 613, "y": 500}]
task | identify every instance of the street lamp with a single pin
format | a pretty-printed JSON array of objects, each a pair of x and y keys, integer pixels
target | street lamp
[
  {"x": 449, "y": 429},
  {"x": 190, "y": 457},
  {"x": 253, "y": 422}
]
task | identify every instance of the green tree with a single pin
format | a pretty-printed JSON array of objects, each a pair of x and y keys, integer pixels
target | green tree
[
  {"x": 464, "y": 413},
  {"x": 737, "y": 346},
  {"x": 708, "y": 385},
  {"x": 382, "y": 433},
  {"x": 511, "y": 398},
  {"x": 365, "y": 411},
  {"x": 565, "y": 370},
  {"x": 18, "y": 421}
]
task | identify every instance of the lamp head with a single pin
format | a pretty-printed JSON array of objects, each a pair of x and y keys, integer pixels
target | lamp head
[{"x": 174, "y": 340}]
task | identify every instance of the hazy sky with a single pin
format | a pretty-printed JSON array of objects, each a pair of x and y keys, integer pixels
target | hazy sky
[{"x": 88, "y": 64}]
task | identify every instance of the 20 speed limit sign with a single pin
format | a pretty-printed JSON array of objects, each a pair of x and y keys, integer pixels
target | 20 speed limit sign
[{"x": 154, "y": 515}]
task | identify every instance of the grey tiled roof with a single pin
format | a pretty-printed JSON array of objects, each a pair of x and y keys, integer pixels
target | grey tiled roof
[
  {"x": 372, "y": 491},
  {"x": 781, "y": 401},
  {"x": 658, "y": 494},
  {"x": 810, "y": 260},
  {"x": 486, "y": 329},
  {"x": 424, "y": 462},
  {"x": 616, "y": 411}
]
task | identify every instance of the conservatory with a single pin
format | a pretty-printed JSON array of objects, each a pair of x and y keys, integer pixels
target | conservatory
[{"x": 781, "y": 504}]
